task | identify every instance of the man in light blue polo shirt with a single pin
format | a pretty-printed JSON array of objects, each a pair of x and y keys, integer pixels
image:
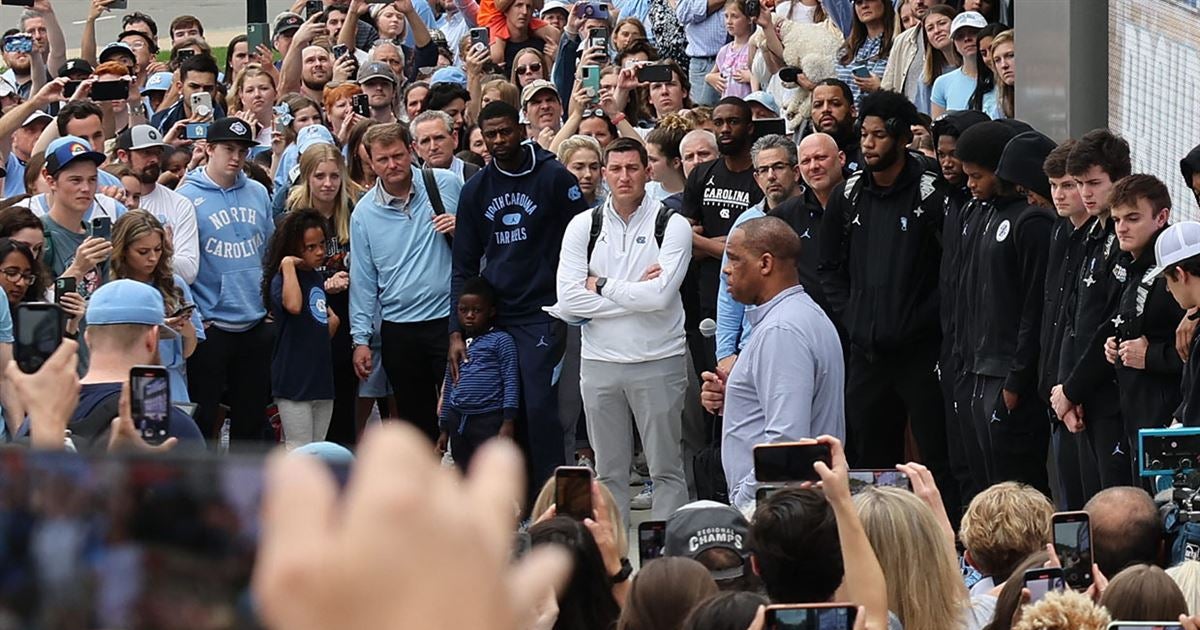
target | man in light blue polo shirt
[
  {"x": 401, "y": 262},
  {"x": 789, "y": 380}
]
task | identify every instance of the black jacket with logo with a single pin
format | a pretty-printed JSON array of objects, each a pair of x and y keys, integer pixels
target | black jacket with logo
[
  {"x": 804, "y": 214},
  {"x": 1010, "y": 271},
  {"x": 1089, "y": 376},
  {"x": 881, "y": 255},
  {"x": 1062, "y": 267}
]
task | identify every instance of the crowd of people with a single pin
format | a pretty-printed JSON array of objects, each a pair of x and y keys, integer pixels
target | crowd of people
[{"x": 641, "y": 237}]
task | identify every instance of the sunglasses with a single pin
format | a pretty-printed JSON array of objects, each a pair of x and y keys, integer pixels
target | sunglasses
[{"x": 533, "y": 67}]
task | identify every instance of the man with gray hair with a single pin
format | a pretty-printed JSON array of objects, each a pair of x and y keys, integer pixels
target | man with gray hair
[
  {"x": 30, "y": 71},
  {"x": 788, "y": 383},
  {"x": 434, "y": 141},
  {"x": 697, "y": 147}
]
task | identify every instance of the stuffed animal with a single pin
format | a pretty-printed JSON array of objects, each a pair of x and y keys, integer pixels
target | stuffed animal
[{"x": 813, "y": 48}]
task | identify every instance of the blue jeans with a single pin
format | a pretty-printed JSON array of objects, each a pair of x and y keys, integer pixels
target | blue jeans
[{"x": 702, "y": 93}]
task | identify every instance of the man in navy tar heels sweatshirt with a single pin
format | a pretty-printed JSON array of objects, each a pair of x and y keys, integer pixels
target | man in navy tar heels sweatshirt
[{"x": 513, "y": 214}]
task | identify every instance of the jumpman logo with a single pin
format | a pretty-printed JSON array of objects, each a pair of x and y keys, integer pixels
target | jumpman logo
[
  {"x": 995, "y": 418},
  {"x": 542, "y": 342},
  {"x": 1117, "y": 450}
]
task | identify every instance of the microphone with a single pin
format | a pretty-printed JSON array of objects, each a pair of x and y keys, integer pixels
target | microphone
[{"x": 708, "y": 328}]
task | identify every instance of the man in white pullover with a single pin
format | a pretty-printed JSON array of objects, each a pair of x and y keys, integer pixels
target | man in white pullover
[{"x": 624, "y": 286}]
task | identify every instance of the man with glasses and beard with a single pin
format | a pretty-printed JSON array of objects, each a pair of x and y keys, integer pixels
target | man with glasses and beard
[
  {"x": 141, "y": 147},
  {"x": 880, "y": 257}
]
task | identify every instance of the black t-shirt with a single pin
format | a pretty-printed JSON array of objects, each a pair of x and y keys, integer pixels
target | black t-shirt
[
  {"x": 301, "y": 366},
  {"x": 715, "y": 197}
]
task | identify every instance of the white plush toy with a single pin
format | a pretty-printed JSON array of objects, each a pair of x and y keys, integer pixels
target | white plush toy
[{"x": 813, "y": 48}]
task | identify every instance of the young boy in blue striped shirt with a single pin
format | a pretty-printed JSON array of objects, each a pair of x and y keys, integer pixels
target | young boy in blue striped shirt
[{"x": 483, "y": 402}]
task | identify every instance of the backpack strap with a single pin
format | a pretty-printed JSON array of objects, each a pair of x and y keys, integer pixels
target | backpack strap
[
  {"x": 435, "y": 196},
  {"x": 660, "y": 223},
  {"x": 594, "y": 231}
]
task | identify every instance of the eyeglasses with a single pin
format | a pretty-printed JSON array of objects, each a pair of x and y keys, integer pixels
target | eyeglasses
[
  {"x": 14, "y": 275},
  {"x": 533, "y": 67},
  {"x": 777, "y": 167}
]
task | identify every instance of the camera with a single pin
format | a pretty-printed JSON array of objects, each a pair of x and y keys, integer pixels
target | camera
[
  {"x": 1168, "y": 451},
  {"x": 752, "y": 8},
  {"x": 789, "y": 74}
]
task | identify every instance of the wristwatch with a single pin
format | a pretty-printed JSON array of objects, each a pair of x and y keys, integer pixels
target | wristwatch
[
  {"x": 624, "y": 573},
  {"x": 600, "y": 282}
]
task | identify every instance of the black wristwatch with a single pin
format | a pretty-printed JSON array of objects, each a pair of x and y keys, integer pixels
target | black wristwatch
[
  {"x": 600, "y": 282},
  {"x": 624, "y": 573}
]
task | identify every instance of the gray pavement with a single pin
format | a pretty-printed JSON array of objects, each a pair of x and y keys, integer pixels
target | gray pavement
[{"x": 222, "y": 19}]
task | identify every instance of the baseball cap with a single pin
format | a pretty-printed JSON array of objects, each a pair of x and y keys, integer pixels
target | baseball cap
[
  {"x": 287, "y": 22},
  {"x": 764, "y": 99},
  {"x": 36, "y": 116},
  {"x": 150, "y": 43},
  {"x": 702, "y": 525},
  {"x": 313, "y": 135},
  {"x": 116, "y": 48},
  {"x": 449, "y": 74},
  {"x": 140, "y": 137},
  {"x": 1176, "y": 244},
  {"x": 376, "y": 70},
  {"x": 230, "y": 129},
  {"x": 75, "y": 66},
  {"x": 7, "y": 88},
  {"x": 158, "y": 82},
  {"x": 535, "y": 87},
  {"x": 973, "y": 19},
  {"x": 128, "y": 301},
  {"x": 67, "y": 149},
  {"x": 553, "y": 5}
]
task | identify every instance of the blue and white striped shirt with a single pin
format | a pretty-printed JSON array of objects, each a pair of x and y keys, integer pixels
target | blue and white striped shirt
[
  {"x": 706, "y": 33},
  {"x": 488, "y": 381},
  {"x": 868, "y": 55}
]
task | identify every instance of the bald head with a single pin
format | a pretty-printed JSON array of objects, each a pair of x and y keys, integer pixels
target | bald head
[
  {"x": 771, "y": 235},
  {"x": 1126, "y": 528},
  {"x": 818, "y": 141},
  {"x": 821, "y": 163}
]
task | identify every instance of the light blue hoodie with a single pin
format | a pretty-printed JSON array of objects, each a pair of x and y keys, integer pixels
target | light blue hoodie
[{"x": 234, "y": 227}]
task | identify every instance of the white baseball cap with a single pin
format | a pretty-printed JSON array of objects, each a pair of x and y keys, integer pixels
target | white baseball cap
[
  {"x": 551, "y": 5},
  {"x": 1176, "y": 244},
  {"x": 973, "y": 19}
]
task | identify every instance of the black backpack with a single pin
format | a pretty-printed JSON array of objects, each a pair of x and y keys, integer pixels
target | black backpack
[
  {"x": 660, "y": 226},
  {"x": 435, "y": 197}
]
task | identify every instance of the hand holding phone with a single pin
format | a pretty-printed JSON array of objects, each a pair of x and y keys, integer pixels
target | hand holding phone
[
  {"x": 150, "y": 401},
  {"x": 573, "y": 492},
  {"x": 652, "y": 537},
  {"x": 63, "y": 286},
  {"x": 790, "y": 461},
  {"x": 1072, "y": 535},
  {"x": 1039, "y": 582},
  {"x": 38, "y": 329}
]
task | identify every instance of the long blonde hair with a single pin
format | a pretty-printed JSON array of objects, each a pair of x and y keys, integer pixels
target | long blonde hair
[
  {"x": 1006, "y": 93},
  {"x": 301, "y": 196},
  {"x": 234, "y": 100},
  {"x": 925, "y": 587},
  {"x": 132, "y": 226}
]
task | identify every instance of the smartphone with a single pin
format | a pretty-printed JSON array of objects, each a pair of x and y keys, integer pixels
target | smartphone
[
  {"x": 590, "y": 80},
  {"x": 652, "y": 537},
  {"x": 63, "y": 286},
  {"x": 762, "y": 493},
  {"x": 183, "y": 310},
  {"x": 654, "y": 73},
  {"x": 17, "y": 3},
  {"x": 110, "y": 90},
  {"x": 150, "y": 401},
  {"x": 102, "y": 228},
  {"x": 38, "y": 328},
  {"x": 1072, "y": 533},
  {"x": 861, "y": 72},
  {"x": 361, "y": 105},
  {"x": 18, "y": 43},
  {"x": 752, "y": 8},
  {"x": 313, "y": 7},
  {"x": 257, "y": 33},
  {"x": 1144, "y": 625},
  {"x": 768, "y": 126},
  {"x": 195, "y": 131},
  {"x": 1042, "y": 581},
  {"x": 598, "y": 38},
  {"x": 479, "y": 36},
  {"x": 860, "y": 479},
  {"x": 202, "y": 104},
  {"x": 573, "y": 492},
  {"x": 790, "y": 461},
  {"x": 592, "y": 10},
  {"x": 811, "y": 617},
  {"x": 340, "y": 51},
  {"x": 119, "y": 4},
  {"x": 70, "y": 87}
]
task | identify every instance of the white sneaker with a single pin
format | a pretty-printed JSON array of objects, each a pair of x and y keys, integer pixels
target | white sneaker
[
  {"x": 644, "y": 499},
  {"x": 638, "y": 479},
  {"x": 586, "y": 461}
]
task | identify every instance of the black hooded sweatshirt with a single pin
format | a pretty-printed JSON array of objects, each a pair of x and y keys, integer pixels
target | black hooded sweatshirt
[
  {"x": 1089, "y": 375},
  {"x": 1010, "y": 271},
  {"x": 880, "y": 257},
  {"x": 1062, "y": 267}
]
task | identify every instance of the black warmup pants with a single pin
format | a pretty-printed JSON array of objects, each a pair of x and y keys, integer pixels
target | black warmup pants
[
  {"x": 414, "y": 357},
  {"x": 1078, "y": 476},
  {"x": 1105, "y": 434},
  {"x": 236, "y": 365},
  {"x": 909, "y": 374},
  {"x": 540, "y": 349},
  {"x": 342, "y": 427},
  {"x": 1014, "y": 443},
  {"x": 475, "y": 430},
  {"x": 966, "y": 460}
]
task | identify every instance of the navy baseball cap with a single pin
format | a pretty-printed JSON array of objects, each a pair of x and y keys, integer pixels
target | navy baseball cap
[
  {"x": 67, "y": 149},
  {"x": 128, "y": 301},
  {"x": 231, "y": 129}
]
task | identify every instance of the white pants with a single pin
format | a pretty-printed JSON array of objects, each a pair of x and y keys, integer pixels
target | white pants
[{"x": 304, "y": 421}]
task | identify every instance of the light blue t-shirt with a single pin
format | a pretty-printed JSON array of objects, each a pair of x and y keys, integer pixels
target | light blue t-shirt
[
  {"x": 952, "y": 91},
  {"x": 14, "y": 179},
  {"x": 6, "y": 336}
]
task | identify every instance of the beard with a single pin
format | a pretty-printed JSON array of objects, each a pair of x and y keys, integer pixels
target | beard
[
  {"x": 314, "y": 85},
  {"x": 149, "y": 174},
  {"x": 887, "y": 160},
  {"x": 732, "y": 148}
]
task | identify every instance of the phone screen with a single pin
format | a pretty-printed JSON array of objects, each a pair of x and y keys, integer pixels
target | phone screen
[
  {"x": 38, "y": 328},
  {"x": 573, "y": 492},
  {"x": 789, "y": 462},
  {"x": 1042, "y": 581},
  {"x": 1073, "y": 544},
  {"x": 150, "y": 401},
  {"x": 652, "y": 536},
  {"x": 861, "y": 479},
  {"x": 816, "y": 617}
]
